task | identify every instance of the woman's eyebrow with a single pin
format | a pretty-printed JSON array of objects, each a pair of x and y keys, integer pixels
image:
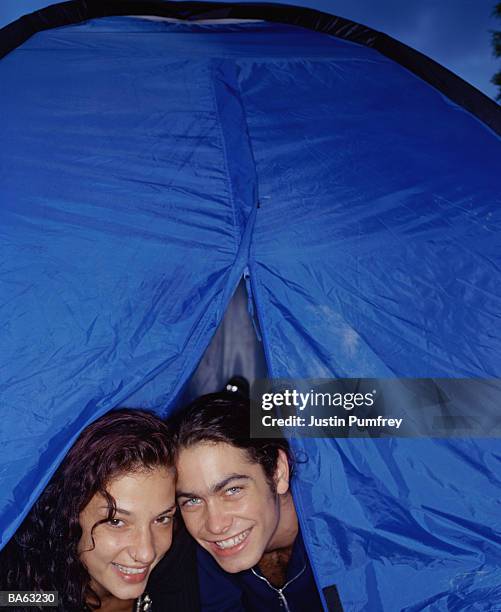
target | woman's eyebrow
[
  {"x": 128, "y": 513},
  {"x": 169, "y": 509},
  {"x": 117, "y": 510}
]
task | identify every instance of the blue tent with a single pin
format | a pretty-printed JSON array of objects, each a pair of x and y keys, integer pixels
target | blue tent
[{"x": 149, "y": 164}]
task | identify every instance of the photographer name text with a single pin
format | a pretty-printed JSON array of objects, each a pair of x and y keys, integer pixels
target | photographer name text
[
  {"x": 300, "y": 401},
  {"x": 332, "y": 421}
]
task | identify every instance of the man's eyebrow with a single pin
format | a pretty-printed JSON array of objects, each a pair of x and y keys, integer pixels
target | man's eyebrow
[
  {"x": 186, "y": 494},
  {"x": 216, "y": 487}
]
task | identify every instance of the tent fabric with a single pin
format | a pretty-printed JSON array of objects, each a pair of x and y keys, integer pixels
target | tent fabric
[
  {"x": 122, "y": 238},
  {"x": 385, "y": 267},
  {"x": 146, "y": 166},
  {"x": 74, "y": 11}
]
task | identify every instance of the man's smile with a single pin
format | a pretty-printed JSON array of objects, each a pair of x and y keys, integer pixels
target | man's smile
[{"x": 230, "y": 546}]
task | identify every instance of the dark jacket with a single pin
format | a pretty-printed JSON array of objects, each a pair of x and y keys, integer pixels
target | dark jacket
[
  {"x": 250, "y": 591},
  {"x": 173, "y": 584}
]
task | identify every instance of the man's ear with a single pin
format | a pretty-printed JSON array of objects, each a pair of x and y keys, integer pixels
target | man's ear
[{"x": 282, "y": 473}]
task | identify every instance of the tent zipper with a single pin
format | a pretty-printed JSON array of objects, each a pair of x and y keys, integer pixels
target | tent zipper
[{"x": 250, "y": 302}]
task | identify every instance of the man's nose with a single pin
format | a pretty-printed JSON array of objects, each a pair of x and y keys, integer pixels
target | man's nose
[
  {"x": 217, "y": 521},
  {"x": 142, "y": 548}
]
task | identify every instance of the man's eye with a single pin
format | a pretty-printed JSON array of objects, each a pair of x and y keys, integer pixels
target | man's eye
[
  {"x": 233, "y": 490},
  {"x": 193, "y": 501},
  {"x": 114, "y": 522}
]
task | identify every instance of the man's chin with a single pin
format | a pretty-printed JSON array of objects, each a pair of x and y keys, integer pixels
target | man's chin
[
  {"x": 238, "y": 563},
  {"x": 233, "y": 567}
]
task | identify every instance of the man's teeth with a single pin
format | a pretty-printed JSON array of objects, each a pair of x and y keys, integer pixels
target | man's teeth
[
  {"x": 130, "y": 570},
  {"x": 233, "y": 541}
]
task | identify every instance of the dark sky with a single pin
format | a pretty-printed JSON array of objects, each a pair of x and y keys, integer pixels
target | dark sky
[{"x": 456, "y": 33}]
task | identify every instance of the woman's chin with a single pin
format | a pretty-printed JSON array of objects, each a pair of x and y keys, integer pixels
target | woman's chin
[{"x": 122, "y": 592}]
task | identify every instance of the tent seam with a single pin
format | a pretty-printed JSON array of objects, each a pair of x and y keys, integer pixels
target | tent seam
[
  {"x": 261, "y": 315},
  {"x": 225, "y": 157}
]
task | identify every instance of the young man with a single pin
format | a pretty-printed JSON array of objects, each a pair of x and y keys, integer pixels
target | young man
[{"x": 235, "y": 500}]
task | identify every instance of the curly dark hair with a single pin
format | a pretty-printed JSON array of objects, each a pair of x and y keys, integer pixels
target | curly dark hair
[
  {"x": 43, "y": 554},
  {"x": 225, "y": 417}
]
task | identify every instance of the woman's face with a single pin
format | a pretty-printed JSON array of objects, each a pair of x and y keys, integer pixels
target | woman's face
[{"x": 120, "y": 553}]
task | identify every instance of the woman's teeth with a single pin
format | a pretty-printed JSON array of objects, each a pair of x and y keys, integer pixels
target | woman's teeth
[
  {"x": 230, "y": 542},
  {"x": 130, "y": 570}
]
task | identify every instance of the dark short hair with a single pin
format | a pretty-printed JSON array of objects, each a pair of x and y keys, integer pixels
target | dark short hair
[
  {"x": 43, "y": 554},
  {"x": 225, "y": 418}
]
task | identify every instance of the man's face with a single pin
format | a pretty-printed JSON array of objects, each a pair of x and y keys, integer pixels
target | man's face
[
  {"x": 227, "y": 503},
  {"x": 119, "y": 554}
]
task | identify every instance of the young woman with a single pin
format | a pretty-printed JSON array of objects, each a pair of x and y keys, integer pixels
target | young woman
[{"x": 103, "y": 522}]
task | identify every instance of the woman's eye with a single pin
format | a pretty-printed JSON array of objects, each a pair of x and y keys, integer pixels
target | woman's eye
[
  {"x": 164, "y": 520},
  {"x": 114, "y": 522}
]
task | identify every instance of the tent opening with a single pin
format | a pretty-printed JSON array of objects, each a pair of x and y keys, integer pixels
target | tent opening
[{"x": 235, "y": 350}]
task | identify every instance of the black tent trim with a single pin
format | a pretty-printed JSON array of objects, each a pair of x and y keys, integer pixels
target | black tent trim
[{"x": 75, "y": 11}]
